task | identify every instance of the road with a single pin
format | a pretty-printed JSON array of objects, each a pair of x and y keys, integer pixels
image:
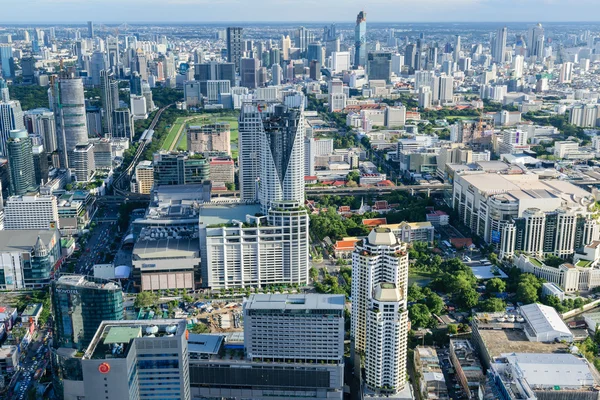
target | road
[
  {"x": 98, "y": 243},
  {"x": 34, "y": 358}
]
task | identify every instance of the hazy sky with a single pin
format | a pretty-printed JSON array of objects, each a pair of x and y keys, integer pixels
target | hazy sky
[{"x": 295, "y": 10}]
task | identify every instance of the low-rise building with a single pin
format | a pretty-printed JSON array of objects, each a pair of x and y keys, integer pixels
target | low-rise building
[
  {"x": 9, "y": 362},
  {"x": 543, "y": 324},
  {"x": 432, "y": 383},
  {"x": 409, "y": 232},
  {"x": 469, "y": 372},
  {"x": 582, "y": 276}
]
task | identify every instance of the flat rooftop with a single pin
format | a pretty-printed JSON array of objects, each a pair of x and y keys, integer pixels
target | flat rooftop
[
  {"x": 87, "y": 282},
  {"x": 166, "y": 248},
  {"x": 205, "y": 344},
  {"x": 502, "y": 341},
  {"x": 23, "y": 240},
  {"x": 295, "y": 302},
  {"x": 224, "y": 213}
]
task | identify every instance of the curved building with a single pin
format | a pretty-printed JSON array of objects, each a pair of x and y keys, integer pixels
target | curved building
[{"x": 80, "y": 304}]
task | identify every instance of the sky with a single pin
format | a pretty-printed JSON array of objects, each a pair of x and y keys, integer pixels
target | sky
[{"x": 202, "y": 11}]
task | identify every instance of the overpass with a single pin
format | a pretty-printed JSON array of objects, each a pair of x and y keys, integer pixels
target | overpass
[{"x": 124, "y": 196}]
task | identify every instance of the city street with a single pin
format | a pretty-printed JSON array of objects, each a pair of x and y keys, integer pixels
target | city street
[
  {"x": 35, "y": 358},
  {"x": 98, "y": 243}
]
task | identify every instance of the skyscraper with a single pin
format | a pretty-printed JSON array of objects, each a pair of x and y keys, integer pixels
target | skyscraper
[
  {"x": 271, "y": 141},
  {"x": 6, "y": 60},
  {"x": 535, "y": 41},
  {"x": 4, "y": 93},
  {"x": 67, "y": 97},
  {"x": 20, "y": 163},
  {"x": 11, "y": 118},
  {"x": 90, "y": 26},
  {"x": 500, "y": 45},
  {"x": 380, "y": 66},
  {"x": 40, "y": 121},
  {"x": 249, "y": 72},
  {"x": 122, "y": 124},
  {"x": 112, "y": 48},
  {"x": 235, "y": 46},
  {"x": 379, "y": 323},
  {"x": 360, "y": 40},
  {"x": 456, "y": 54},
  {"x": 109, "y": 93},
  {"x": 97, "y": 64},
  {"x": 80, "y": 304}
]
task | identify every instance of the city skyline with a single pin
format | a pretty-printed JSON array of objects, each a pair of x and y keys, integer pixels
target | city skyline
[{"x": 294, "y": 11}]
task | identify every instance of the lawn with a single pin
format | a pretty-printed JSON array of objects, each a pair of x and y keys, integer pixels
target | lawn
[
  {"x": 201, "y": 119},
  {"x": 172, "y": 133}
]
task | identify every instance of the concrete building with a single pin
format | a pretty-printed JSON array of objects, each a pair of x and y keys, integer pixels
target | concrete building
[
  {"x": 235, "y": 46},
  {"x": 31, "y": 212},
  {"x": 209, "y": 138},
  {"x": 273, "y": 330},
  {"x": 379, "y": 66},
  {"x": 153, "y": 259},
  {"x": 409, "y": 232},
  {"x": 563, "y": 148},
  {"x": 467, "y": 367},
  {"x": 387, "y": 340},
  {"x": 379, "y": 287},
  {"x": 180, "y": 168},
  {"x": 122, "y": 122},
  {"x": 128, "y": 359},
  {"x": 143, "y": 177},
  {"x": 256, "y": 251},
  {"x": 40, "y": 121},
  {"x": 432, "y": 382},
  {"x": 27, "y": 258},
  {"x": 500, "y": 208},
  {"x": 222, "y": 170},
  {"x": 275, "y": 366},
  {"x": 82, "y": 162}
]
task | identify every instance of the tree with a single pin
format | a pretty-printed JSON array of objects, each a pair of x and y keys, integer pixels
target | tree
[
  {"x": 414, "y": 293},
  {"x": 145, "y": 299},
  {"x": 419, "y": 315},
  {"x": 435, "y": 303},
  {"x": 230, "y": 186},
  {"x": 468, "y": 298},
  {"x": 452, "y": 329},
  {"x": 353, "y": 176},
  {"x": 527, "y": 293},
  {"x": 313, "y": 273},
  {"x": 493, "y": 304},
  {"x": 200, "y": 328},
  {"x": 495, "y": 285}
]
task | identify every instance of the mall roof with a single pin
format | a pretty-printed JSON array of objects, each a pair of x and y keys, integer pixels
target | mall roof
[
  {"x": 223, "y": 213},
  {"x": 166, "y": 248},
  {"x": 206, "y": 344},
  {"x": 23, "y": 240}
]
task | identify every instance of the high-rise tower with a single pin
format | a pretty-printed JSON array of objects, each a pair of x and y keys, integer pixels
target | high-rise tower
[
  {"x": 360, "y": 40},
  {"x": 271, "y": 137},
  {"x": 11, "y": 117},
  {"x": 235, "y": 46},
  {"x": 109, "y": 93},
  {"x": 379, "y": 309},
  {"x": 500, "y": 45},
  {"x": 67, "y": 96},
  {"x": 20, "y": 163}
]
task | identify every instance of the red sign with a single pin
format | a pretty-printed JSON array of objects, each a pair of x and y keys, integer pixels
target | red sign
[{"x": 104, "y": 368}]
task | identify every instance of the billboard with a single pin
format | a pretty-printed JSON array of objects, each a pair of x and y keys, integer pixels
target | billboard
[{"x": 495, "y": 236}]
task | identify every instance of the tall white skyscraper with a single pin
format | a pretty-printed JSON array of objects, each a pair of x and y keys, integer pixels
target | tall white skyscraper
[
  {"x": 518, "y": 64},
  {"x": 500, "y": 45},
  {"x": 379, "y": 289},
  {"x": 535, "y": 41},
  {"x": 566, "y": 73}
]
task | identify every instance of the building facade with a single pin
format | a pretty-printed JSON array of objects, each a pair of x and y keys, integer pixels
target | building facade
[{"x": 31, "y": 212}]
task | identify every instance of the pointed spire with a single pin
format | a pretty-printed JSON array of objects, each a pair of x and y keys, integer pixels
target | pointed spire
[{"x": 40, "y": 249}]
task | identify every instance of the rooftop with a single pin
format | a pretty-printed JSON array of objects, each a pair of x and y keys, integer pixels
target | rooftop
[
  {"x": 543, "y": 318},
  {"x": 295, "y": 302},
  {"x": 87, "y": 282},
  {"x": 205, "y": 344},
  {"x": 386, "y": 292},
  {"x": 224, "y": 213},
  {"x": 166, "y": 248},
  {"x": 499, "y": 341},
  {"x": 24, "y": 240}
]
